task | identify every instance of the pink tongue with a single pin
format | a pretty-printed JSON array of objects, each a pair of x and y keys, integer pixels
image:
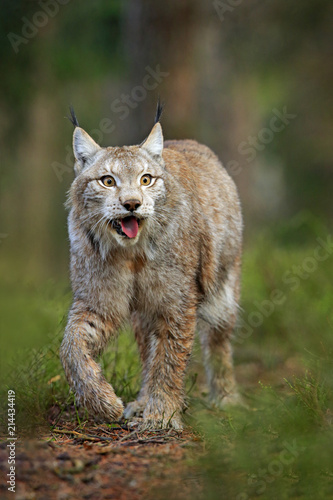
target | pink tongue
[{"x": 130, "y": 226}]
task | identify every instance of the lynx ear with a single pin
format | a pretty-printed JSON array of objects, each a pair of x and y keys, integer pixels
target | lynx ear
[
  {"x": 154, "y": 142},
  {"x": 84, "y": 148}
]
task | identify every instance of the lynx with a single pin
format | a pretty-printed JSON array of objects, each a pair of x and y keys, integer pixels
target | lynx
[{"x": 155, "y": 234}]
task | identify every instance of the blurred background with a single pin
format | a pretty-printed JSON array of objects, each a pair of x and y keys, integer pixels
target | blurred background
[
  {"x": 251, "y": 79},
  {"x": 224, "y": 71}
]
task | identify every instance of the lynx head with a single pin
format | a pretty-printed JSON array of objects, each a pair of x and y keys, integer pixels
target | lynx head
[{"x": 117, "y": 189}]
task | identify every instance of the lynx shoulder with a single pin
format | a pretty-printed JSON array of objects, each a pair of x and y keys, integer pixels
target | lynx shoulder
[{"x": 155, "y": 233}]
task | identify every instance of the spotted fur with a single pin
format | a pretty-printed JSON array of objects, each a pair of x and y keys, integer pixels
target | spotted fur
[{"x": 180, "y": 272}]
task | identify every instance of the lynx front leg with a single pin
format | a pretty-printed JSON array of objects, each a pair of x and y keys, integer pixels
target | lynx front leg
[
  {"x": 170, "y": 347},
  {"x": 85, "y": 337}
]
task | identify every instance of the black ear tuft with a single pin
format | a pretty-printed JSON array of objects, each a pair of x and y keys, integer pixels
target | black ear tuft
[
  {"x": 73, "y": 118},
  {"x": 159, "y": 110}
]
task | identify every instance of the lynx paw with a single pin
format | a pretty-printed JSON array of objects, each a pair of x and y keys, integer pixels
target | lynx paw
[
  {"x": 155, "y": 417},
  {"x": 228, "y": 401},
  {"x": 156, "y": 423},
  {"x": 118, "y": 409},
  {"x": 135, "y": 408},
  {"x": 108, "y": 408}
]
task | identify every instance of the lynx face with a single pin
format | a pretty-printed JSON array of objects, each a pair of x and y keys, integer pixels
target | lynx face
[{"x": 118, "y": 189}]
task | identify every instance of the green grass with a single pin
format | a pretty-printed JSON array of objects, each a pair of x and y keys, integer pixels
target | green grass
[{"x": 280, "y": 447}]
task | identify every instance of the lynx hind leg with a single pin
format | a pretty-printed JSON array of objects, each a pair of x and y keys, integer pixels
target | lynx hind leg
[
  {"x": 141, "y": 330},
  {"x": 85, "y": 337},
  {"x": 215, "y": 330},
  {"x": 217, "y": 357}
]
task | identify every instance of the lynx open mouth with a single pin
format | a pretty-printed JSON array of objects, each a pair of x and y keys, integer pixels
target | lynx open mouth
[{"x": 127, "y": 227}]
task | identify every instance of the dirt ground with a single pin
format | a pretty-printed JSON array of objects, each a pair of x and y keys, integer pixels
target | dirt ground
[{"x": 96, "y": 461}]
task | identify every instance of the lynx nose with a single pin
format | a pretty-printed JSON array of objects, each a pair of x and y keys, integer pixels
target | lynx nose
[{"x": 131, "y": 205}]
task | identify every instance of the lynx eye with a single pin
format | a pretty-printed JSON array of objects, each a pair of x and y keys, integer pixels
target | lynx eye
[
  {"x": 108, "y": 181},
  {"x": 146, "y": 180}
]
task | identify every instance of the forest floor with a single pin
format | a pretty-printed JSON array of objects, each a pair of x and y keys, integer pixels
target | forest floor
[
  {"x": 77, "y": 458},
  {"x": 94, "y": 462}
]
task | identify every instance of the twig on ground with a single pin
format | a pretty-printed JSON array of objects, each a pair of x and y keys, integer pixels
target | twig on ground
[
  {"x": 142, "y": 441},
  {"x": 80, "y": 435},
  {"x": 128, "y": 436}
]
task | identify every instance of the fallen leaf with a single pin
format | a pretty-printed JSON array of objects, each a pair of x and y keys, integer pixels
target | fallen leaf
[{"x": 54, "y": 379}]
